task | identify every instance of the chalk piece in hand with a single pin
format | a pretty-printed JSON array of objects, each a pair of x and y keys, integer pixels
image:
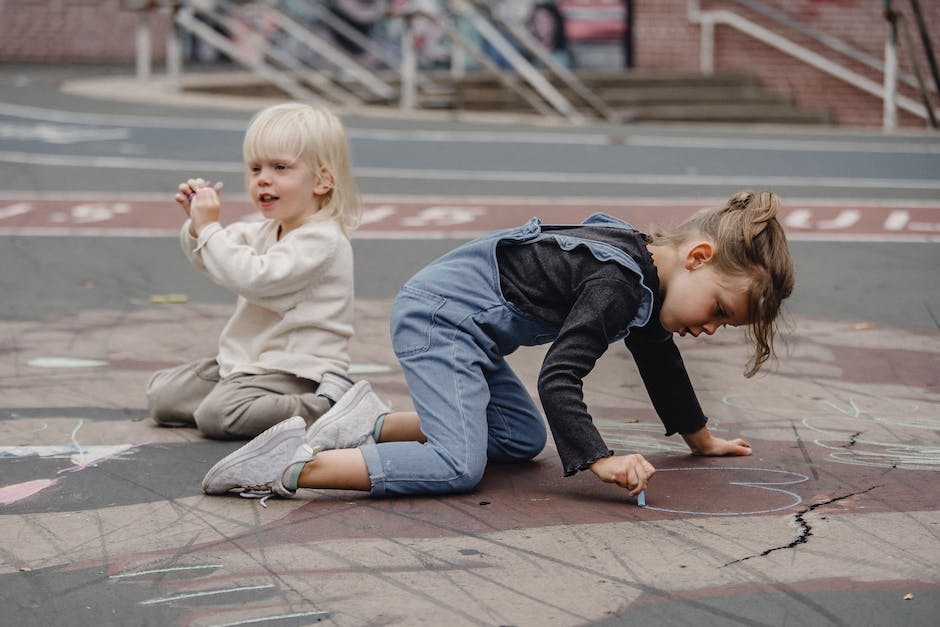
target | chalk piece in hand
[
  {"x": 217, "y": 187},
  {"x": 641, "y": 499}
]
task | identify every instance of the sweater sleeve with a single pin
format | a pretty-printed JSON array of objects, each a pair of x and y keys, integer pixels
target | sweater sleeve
[
  {"x": 189, "y": 244},
  {"x": 667, "y": 382},
  {"x": 599, "y": 313},
  {"x": 276, "y": 278}
]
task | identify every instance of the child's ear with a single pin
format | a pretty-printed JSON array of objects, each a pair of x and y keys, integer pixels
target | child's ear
[
  {"x": 700, "y": 254},
  {"x": 324, "y": 182}
]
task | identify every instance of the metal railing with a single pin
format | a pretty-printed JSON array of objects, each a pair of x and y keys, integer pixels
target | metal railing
[
  {"x": 298, "y": 77},
  {"x": 886, "y": 91},
  {"x": 268, "y": 58}
]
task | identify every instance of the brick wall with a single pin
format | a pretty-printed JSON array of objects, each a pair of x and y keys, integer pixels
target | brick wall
[
  {"x": 664, "y": 39},
  {"x": 75, "y": 31}
]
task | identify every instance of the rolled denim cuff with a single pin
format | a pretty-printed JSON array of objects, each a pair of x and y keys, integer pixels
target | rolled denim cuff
[{"x": 376, "y": 471}]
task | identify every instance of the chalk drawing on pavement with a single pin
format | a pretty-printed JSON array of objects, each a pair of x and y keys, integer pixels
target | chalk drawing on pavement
[
  {"x": 80, "y": 456},
  {"x": 858, "y": 431},
  {"x": 792, "y": 478}
]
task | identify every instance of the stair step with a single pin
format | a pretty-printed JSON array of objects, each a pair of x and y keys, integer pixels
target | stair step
[
  {"x": 727, "y": 112},
  {"x": 618, "y": 96}
]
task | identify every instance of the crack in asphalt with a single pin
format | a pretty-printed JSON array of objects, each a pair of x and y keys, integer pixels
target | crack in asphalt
[{"x": 806, "y": 530}]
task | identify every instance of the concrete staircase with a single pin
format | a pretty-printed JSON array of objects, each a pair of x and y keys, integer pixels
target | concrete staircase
[
  {"x": 645, "y": 97},
  {"x": 631, "y": 96}
]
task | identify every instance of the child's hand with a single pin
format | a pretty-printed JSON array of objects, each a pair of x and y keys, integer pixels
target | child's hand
[
  {"x": 186, "y": 191},
  {"x": 632, "y": 472},
  {"x": 702, "y": 442},
  {"x": 200, "y": 200}
]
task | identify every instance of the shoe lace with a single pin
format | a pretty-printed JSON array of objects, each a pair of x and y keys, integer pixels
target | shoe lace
[{"x": 262, "y": 491}]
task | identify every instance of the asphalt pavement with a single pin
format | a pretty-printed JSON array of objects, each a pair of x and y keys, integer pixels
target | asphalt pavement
[{"x": 834, "y": 521}]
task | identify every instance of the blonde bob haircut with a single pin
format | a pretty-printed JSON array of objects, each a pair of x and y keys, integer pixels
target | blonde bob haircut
[{"x": 316, "y": 138}]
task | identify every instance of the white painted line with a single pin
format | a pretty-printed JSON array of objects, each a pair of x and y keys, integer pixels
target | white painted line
[
  {"x": 65, "y": 362},
  {"x": 379, "y": 199},
  {"x": 165, "y": 570},
  {"x": 845, "y": 219},
  {"x": 15, "y": 209},
  {"x": 65, "y": 231},
  {"x": 70, "y": 117},
  {"x": 121, "y": 163},
  {"x": 598, "y": 138},
  {"x": 264, "y": 619},
  {"x": 482, "y": 137},
  {"x": 567, "y": 178},
  {"x": 780, "y": 145},
  {"x": 206, "y": 593},
  {"x": 764, "y": 182},
  {"x": 897, "y": 220},
  {"x": 438, "y": 235}
]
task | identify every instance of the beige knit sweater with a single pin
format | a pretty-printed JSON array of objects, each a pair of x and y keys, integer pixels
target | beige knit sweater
[{"x": 295, "y": 296}]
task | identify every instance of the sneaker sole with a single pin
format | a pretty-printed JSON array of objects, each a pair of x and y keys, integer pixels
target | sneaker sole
[{"x": 264, "y": 443}]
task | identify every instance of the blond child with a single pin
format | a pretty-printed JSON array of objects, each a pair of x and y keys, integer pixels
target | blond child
[{"x": 284, "y": 351}]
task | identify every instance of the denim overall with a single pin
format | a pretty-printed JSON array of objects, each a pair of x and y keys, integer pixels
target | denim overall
[{"x": 451, "y": 329}]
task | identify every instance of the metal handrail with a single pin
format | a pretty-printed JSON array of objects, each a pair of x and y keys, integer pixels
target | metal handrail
[
  {"x": 825, "y": 39},
  {"x": 219, "y": 11},
  {"x": 334, "y": 55},
  {"x": 535, "y": 48},
  {"x": 409, "y": 65},
  {"x": 708, "y": 20},
  {"x": 296, "y": 77},
  {"x": 341, "y": 26},
  {"x": 525, "y": 69},
  {"x": 185, "y": 17},
  {"x": 897, "y": 18}
]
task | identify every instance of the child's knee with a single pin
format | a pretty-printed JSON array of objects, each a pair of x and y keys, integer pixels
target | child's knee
[
  {"x": 231, "y": 424},
  {"x": 467, "y": 480},
  {"x": 519, "y": 448},
  {"x": 531, "y": 448},
  {"x": 467, "y": 475},
  {"x": 164, "y": 410}
]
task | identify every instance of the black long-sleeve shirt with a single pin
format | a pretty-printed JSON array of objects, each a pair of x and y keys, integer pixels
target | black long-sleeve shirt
[{"x": 591, "y": 301}]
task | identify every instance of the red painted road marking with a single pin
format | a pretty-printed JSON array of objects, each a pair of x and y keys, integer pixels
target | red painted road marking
[{"x": 417, "y": 217}]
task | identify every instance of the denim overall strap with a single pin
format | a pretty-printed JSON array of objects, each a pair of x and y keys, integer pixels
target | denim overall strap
[{"x": 602, "y": 251}]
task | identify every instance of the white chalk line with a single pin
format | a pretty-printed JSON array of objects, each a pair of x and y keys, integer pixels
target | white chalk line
[
  {"x": 264, "y": 619},
  {"x": 760, "y": 485},
  {"x": 156, "y": 571},
  {"x": 890, "y": 455},
  {"x": 206, "y": 593}
]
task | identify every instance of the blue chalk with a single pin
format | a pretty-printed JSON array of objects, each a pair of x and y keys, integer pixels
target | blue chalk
[{"x": 641, "y": 499}]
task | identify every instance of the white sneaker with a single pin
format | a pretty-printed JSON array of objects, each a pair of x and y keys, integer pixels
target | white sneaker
[
  {"x": 257, "y": 468},
  {"x": 333, "y": 385},
  {"x": 350, "y": 422}
]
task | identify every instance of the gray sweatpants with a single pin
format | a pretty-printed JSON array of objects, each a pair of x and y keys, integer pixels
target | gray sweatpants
[{"x": 239, "y": 406}]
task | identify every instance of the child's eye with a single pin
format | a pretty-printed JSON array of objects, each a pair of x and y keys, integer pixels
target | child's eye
[{"x": 280, "y": 166}]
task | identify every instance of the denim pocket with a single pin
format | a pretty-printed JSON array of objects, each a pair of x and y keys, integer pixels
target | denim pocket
[{"x": 414, "y": 317}]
